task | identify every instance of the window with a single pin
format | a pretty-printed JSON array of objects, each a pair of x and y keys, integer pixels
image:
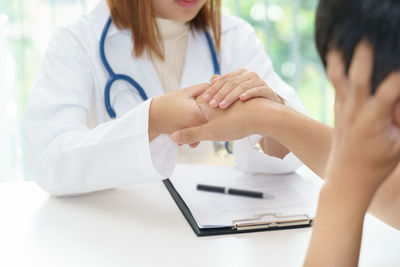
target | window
[{"x": 287, "y": 29}]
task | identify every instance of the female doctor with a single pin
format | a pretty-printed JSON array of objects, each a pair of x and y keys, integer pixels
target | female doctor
[{"x": 106, "y": 97}]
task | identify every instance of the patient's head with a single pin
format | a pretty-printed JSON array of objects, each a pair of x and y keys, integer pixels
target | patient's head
[{"x": 342, "y": 24}]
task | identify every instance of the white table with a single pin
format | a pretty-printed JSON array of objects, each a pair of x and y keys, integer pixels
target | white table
[{"x": 140, "y": 225}]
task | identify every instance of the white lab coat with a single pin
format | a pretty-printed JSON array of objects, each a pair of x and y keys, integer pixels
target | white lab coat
[{"x": 74, "y": 147}]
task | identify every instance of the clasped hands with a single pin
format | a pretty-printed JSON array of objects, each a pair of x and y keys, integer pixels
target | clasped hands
[{"x": 223, "y": 110}]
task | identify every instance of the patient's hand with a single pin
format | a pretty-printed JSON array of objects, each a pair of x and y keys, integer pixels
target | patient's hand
[
  {"x": 366, "y": 138},
  {"x": 240, "y": 84}
]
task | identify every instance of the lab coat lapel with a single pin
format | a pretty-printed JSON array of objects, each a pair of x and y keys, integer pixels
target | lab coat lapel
[
  {"x": 198, "y": 64},
  {"x": 152, "y": 83},
  {"x": 140, "y": 68}
]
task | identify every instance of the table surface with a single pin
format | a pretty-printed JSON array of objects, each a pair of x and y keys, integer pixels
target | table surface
[{"x": 140, "y": 225}]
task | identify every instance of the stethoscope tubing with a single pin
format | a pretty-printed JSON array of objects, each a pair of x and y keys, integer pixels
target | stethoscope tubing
[
  {"x": 213, "y": 53},
  {"x": 114, "y": 77}
]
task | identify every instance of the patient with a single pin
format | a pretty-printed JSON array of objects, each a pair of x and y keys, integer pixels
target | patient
[{"x": 359, "y": 43}]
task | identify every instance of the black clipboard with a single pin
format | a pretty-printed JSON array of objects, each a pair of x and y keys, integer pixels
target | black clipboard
[{"x": 226, "y": 230}]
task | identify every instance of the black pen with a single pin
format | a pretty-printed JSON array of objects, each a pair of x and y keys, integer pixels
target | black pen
[{"x": 230, "y": 191}]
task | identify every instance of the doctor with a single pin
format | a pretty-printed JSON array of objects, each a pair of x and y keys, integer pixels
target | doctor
[{"x": 106, "y": 97}]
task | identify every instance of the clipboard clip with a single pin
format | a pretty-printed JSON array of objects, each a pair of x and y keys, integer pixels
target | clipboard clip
[{"x": 269, "y": 220}]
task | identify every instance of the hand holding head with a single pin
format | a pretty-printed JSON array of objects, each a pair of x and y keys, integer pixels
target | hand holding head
[{"x": 366, "y": 136}]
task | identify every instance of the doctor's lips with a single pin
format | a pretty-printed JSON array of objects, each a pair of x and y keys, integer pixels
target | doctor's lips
[{"x": 187, "y": 3}]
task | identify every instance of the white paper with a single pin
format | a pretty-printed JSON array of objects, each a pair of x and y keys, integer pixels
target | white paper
[{"x": 284, "y": 195}]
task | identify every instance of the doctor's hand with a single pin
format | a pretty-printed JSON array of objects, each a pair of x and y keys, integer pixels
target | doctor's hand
[
  {"x": 366, "y": 139},
  {"x": 240, "y": 84},
  {"x": 176, "y": 110}
]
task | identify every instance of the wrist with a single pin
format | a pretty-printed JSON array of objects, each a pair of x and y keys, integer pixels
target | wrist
[
  {"x": 341, "y": 205},
  {"x": 342, "y": 171},
  {"x": 268, "y": 118},
  {"x": 350, "y": 187},
  {"x": 155, "y": 127}
]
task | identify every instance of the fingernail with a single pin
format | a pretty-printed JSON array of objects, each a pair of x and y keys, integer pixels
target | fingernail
[
  {"x": 213, "y": 103},
  {"x": 223, "y": 104},
  {"x": 243, "y": 96},
  {"x": 207, "y": 97}
]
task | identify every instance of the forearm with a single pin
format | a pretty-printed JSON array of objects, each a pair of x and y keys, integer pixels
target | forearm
[
  {"x": 161, "y": 121},
  {"x": 337, "y": 228},
  {"x": 69, "y": 153},
  {"x": 273, "y": 148},
  {"x": 308, "y": 139},
  {"x": 386, "y": 202},
  {"x": 154, "y": 127}
]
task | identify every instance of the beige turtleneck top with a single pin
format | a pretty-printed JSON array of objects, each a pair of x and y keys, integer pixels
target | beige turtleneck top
[{"x": 174, "y": 35}]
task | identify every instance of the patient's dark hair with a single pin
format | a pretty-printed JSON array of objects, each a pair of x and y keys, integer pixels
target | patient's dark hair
[{"x": 342, "y": 24}]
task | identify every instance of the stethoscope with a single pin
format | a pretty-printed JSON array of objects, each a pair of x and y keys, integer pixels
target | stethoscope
[{"x": 121, "y": 77}]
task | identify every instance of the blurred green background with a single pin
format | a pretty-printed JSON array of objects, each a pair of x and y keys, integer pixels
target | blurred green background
[{"x": 285, "y": 26}]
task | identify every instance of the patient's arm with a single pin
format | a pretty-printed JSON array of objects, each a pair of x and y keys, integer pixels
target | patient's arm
[
  {"x": 310, "y": 141},
  {"x": 307, "y": 138},
  {"x": 289, "y": 130},
  {"x": 365, "y": 151},
  {"x": 386, "y": 202},
  {"x": 273, "y": 148}
]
